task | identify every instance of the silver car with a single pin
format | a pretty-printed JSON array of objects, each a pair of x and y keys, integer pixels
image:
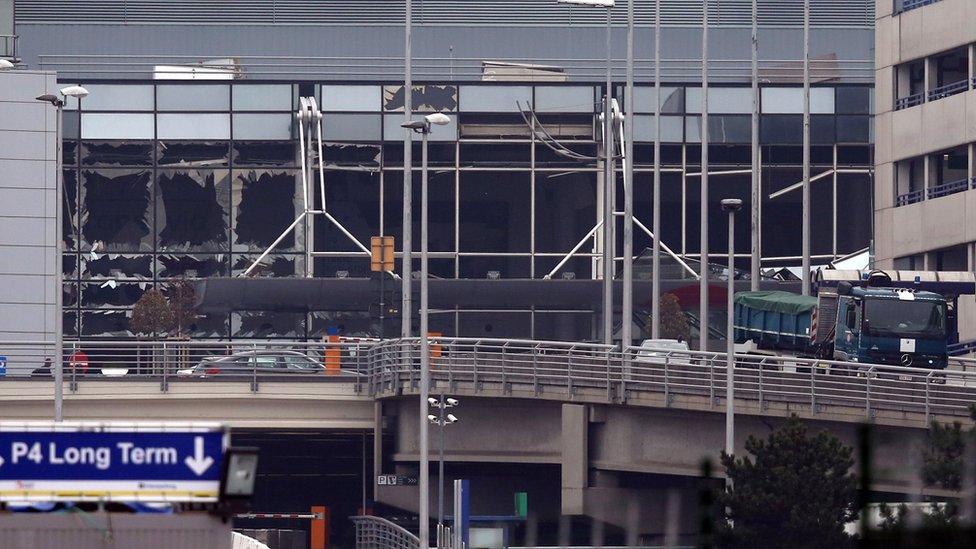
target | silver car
[{"x": 248, "y": 363}]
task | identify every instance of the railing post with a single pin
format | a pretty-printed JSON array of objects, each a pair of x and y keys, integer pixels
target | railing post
[
  {"x": 867, "y": 391},
  {"x": 504, "y": 377},
  {"x": 667, "y": 389},
  {"x": 762, "y": 364},
  {"x": 569, "y": 370},
  {"x": 928, "y": 378},
  {"x": 164, "y": 384},
  {"x": 73, "y": 386},
  {"x": 711, "y": 380},
  {"x": 474, "y": 368},
  {"x": 535, "y": 369},
  {"x": 813, "y": 387},
  {"x": 254, "y": 375}
]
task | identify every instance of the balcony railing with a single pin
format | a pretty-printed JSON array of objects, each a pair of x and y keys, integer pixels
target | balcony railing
[
  {"x": 902, "y": 6},
  {"x": 910, "y": 198},
  {"x": 952, "y": 187},
  {"x": 910, "y": 101},
  {"x": 948, "y": 90}
]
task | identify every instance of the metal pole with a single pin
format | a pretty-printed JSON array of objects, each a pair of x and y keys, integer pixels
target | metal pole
[
  {"x": 424, "y": 355},
  {"x": 58, "y": 276},
  {"x": 406, "y": 306},
  {"x": 627, "y": 310},
  {"x": 730, "y": 348},
  {"x": 656, "y": 258},
  {"x": 756, "y": 189},
  {"x": 608, "y": 205},
  {"x": 703, "y": 283},
  {"x": 440, "y": 468},
  {"x": 806, "y": 148}
]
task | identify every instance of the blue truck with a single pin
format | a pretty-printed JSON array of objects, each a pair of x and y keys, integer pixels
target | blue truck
[{"x": 874, "y": 324}]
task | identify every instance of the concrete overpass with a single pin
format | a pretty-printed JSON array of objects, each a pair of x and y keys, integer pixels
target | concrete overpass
[{"x": 594, "y": 413}]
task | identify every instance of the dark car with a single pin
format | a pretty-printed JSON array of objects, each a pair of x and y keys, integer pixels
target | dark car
[{"x": 248, "y": 363}]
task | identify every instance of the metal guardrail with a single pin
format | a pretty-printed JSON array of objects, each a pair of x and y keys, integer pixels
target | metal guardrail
[
  {"x": 949, "y": 90},
  {"x": 910, "y": 197},
  {"x": 379, "y": 533},
  {"x": 952, "y": 187},
  {"x": 902, "y": 6},
  {"x": 909, "y": 101},
  {"x": 526, "y": 369}
]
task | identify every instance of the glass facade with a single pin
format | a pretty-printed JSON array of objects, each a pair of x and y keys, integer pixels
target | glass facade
[{"x": 170, "y": 181}]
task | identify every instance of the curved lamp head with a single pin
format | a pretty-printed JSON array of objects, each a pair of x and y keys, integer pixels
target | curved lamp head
[
  {"x": 438, "y": 119},
  {"x": 731, "y": 205},
  {"x": 4, "y": 64},
  {"x": 74, "y": 91}
]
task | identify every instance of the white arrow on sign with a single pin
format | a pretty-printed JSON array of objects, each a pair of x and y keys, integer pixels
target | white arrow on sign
[
  {"x": 198, "y": 462},
  {"x": 1, "y": 461}
]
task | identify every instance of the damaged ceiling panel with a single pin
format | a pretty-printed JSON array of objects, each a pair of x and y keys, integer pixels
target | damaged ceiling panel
[
  {"x": 208, "y": 154},
  {"x": 360, "y": 155},
  {"x": 116, "y": 153},
  {"x": 265, "y": 153}
]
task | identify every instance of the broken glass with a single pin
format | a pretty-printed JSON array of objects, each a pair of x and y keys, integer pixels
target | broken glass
[
  {"x": 69, "y": 321},
  {"x": 106, "y": 323},
  {"x": 565, "y": 209},
  {"x": 273, "y": 265},
  {"x": 208, "y": 154},
  {"x": 496, "y": 212},
  {"x": 264, "y": 153},
  {"x": 115, "y": 210},
  {"x": 348, "y": 323},
  {"x": 440, "y": 214},
  {"x": 192, "y": 266},
  {"x": 96, "y": 295},
  {"x": 117, "y": 266},
  {"x": 69, "y": 153},
  {"x": 350, "y": 154},
  {"x": 209, "y": 325},
  {"x": 266, "y": 324},
  {"x": 69, "y": 265},
  {"x": 192, "y": 210},
  {"x": 69, "y": 210},
  {"x": 116, "y": 153},
  {"x": 429, "y": 98},
  {"x": 353, "y": 199},
  {"x": 266, "y": 203},
  {"x": 69, "y": 295}
]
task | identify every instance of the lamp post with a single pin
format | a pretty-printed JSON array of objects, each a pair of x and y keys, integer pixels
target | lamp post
[
  {"x": 58, "y": 363},
  {"x": 423, "y": 128},
  {"x": 441, "y": 420},
  {"x": 608, "y": 178},
  {"x": 730, "y": 205}
]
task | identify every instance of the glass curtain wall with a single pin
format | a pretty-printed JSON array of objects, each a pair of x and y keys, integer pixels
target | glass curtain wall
[{"x": 171, "y": 181}]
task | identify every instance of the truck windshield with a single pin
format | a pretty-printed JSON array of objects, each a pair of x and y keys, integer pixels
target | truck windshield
[{"x": 896, "y": 317}]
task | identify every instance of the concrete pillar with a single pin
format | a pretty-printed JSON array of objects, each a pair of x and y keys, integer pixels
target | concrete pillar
[
  {"x": 575, "y": 458},
  {"x": 377, "y": 444}
]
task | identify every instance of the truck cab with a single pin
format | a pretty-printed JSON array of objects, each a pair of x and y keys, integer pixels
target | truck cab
[{"x": 900, "y": 327}]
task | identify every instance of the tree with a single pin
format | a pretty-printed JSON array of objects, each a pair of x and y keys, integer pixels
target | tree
[
  {"x": 674, "y": 325},
  {"x": 181, "y": 297},
  {"x": 795, "y": 491},
  {"x": 151, "y": 315}
]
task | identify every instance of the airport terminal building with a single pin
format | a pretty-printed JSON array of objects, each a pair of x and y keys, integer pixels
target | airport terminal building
[{"x": 184, "y": 162}]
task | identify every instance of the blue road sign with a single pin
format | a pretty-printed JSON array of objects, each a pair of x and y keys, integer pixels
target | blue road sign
[
  {"x": 3, "y": 365},
  {"x": 118, "y": 465}
]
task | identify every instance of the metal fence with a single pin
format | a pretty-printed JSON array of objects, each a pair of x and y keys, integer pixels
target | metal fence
[
  {"x": 379, "y": 533},
  {"x": 522, "y": 368}
]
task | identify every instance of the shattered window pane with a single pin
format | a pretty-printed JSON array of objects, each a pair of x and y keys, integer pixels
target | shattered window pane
[
  {"x": 116, "y": 153},
  {"x": 351, "y": 154},
  {"x": 352, "y": 198},
  {"x": 429, "y": 98},
  {"x": 267, "y": 324},
  {"x": 117, "y": 266},
  {"x": 273, "y": 265},
  {"x": 438, "y": 154},
  {"x": 192, "y": 210},
  {"x": 70, "y": 323},
  {"x": 115, "y": 210},
  {"x": 111, "y": 294},
  {"x": 565, "y": 209},
  {"x": 199, "y": 155},
  {"x": 496, "y": 213},
  {"x": 394, "y": 131},
  {"x": 69, "y": 295},
  {"x": 69, "y": 210},
  {"x": 264, "y": 153},
  {"x": 440, "y": 212},
  {"x": 69, "y": 153},
  {"x": 209, "y": 325},
  {"x": 69, "y": 265},
  {"x": 192, "y": 266},
  {"x": 106, "y": 323},
  {"x": 349, "y": 324},
  {"x": 265, "y": 204}
]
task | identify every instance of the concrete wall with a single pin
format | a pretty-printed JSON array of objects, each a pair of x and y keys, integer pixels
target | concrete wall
[{"x": 28, "y": 207}]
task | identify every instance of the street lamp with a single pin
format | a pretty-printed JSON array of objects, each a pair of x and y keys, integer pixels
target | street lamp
[
  {"x": 58, "y": 103},
  {"x": 423, "y": 127},
  {"x": 608, "y": 179},
  {"x": 4, "y": 64},
  {"x": 730, "y": 205},
  {"x": 441, "y": 420}
]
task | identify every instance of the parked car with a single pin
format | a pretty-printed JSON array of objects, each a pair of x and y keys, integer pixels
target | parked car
[{"x": 246, "y": 363}]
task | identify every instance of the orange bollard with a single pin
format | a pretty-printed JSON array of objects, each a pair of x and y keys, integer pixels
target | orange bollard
[
  {"x": 333, "y": 354},
  {"x": 320, "y": 528},
  {"x": 435, "y": 349}
]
